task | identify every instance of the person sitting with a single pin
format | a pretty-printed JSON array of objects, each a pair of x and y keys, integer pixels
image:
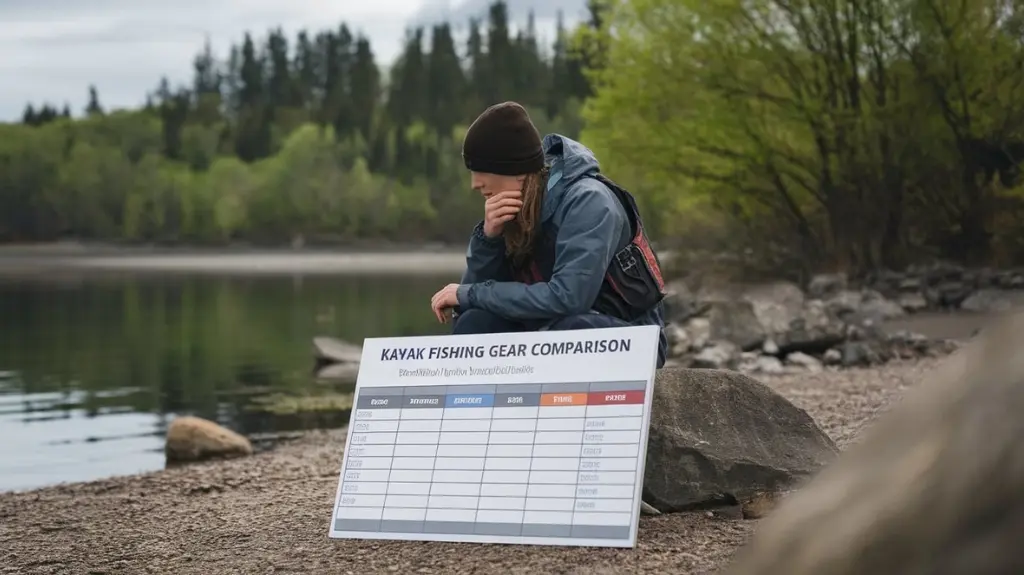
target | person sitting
[{"x": 560, "y": 247}]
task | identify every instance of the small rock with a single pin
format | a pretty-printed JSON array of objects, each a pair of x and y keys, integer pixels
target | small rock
[
  {"x": 805, "y": 361},
  {"x": 191, "y": 439},
  {"x": 993, "y": 300},
  {"x": 699, "y": 330},
  {"x": 717, "y": 355},
  {"x": 826, "y": 285},
  {"x": 832, "y": 357},
  {"x": 912, "y": 302},
  {"x": 770, "y": 347}
]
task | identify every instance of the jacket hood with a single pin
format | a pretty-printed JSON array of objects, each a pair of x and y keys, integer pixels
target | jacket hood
[{"x": 572, "y": 160}]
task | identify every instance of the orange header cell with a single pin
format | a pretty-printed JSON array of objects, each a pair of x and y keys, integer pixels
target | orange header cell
[{"x": 563, "y": 399}]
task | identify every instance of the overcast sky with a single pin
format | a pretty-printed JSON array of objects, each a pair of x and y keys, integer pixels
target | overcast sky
[{"x": 51, "y": 50}]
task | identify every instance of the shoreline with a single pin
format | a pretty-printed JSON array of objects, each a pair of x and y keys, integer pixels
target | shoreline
[{"x": 273, "y": 510}]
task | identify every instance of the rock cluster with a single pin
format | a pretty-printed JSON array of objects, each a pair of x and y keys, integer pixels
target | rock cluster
[
  {"x": 778, "y": 327},
  {"x": 942, "y": 286}
]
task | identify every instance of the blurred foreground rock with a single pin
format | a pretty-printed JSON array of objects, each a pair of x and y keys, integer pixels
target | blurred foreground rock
[
  {"x": 935, "y": 487},
  {"x": 723, "y": 439},
  {"x": 193, "y": 439}
]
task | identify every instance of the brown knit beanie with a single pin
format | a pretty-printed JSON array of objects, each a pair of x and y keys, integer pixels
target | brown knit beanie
[{"x": 503, "y": 140}]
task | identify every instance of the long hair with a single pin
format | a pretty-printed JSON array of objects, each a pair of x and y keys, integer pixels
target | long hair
[{"x": 519, "y": 233}]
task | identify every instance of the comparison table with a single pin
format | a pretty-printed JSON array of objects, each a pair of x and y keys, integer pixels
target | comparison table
[{"x": 531, "y": 461}]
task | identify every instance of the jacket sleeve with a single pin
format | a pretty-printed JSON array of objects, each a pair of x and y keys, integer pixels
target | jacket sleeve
[
  {"x": 592, "y": 224},
  {"x": 485, "y": 258}
]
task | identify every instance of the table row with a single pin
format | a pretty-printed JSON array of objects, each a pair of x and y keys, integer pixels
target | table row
[
  {"x": 622, "y": 518},
  {"x": 495, "y": 529},
  {"x": 630, "y": 423},
  {"x": 494, "y": 463},
  {"x": 512, "y": 490},
  {"x": 496, "y": 450},
  {"x": 496, "y": 437},
  {"x": 603, "y": 393},
  {"x": 510, "y": 412},
  {"x": 423, "y": 502},
  {"x": 505, "y": 477}
]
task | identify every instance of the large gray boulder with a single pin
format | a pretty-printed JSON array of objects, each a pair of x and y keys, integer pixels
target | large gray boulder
[
  {"x": 935, "y": 487},
  {"x": 722, "y": 438}
]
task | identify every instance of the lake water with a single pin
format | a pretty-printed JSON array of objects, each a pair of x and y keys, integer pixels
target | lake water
[{"x": 93, "y": 366}]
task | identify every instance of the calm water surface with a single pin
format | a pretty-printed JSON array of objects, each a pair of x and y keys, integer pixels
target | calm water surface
[{"x": 93, "y": 368}]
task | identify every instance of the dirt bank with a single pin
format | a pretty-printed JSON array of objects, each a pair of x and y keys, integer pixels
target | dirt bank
[{"x": 270, "y": 513}]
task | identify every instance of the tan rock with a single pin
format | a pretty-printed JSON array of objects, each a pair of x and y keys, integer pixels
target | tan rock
[
  {"x": 936, "y": 486},
  {"x": 192, "y": 439}
]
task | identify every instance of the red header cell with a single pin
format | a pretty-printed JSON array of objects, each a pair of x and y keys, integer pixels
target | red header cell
[{"x": 615, "y": 397}]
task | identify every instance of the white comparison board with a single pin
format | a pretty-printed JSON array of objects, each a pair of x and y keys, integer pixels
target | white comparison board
[{"x": 529, "y": 438}]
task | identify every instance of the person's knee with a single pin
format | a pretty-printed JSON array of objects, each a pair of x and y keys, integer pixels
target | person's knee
[
  {"x": 586, "y": 321},
  {"x": 477, "y": 321}
]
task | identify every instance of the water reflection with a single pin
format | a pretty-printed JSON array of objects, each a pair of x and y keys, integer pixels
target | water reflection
[{"x": 91, "y": 371}]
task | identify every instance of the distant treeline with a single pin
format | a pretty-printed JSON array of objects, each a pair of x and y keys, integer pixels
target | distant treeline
[{"x": 288, "y": 137}]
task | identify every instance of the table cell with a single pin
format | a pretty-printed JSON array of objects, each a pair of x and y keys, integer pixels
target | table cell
[
  {"x": 501, "y": 516},
  {"x": 421, "y": 413},
  {"x": 415, "y": 450},
  {"x": 371, "y": 450},
  {"x": 513, "y": 425},
  {"x": 468, "y": 400},
  {"x": 375, "y": 425},
  {"x": 419, "y": 425},
  {"x": 377, "y": 414},
  {"x": 513, "y": 400},
  {"x": 513, "y": 503},
  {"x": 615, "y": 410},
  {"x": 614, "y": 450},
  {"x": 505, "y": 450},
  {"x": 555, "y": 464},
  {"x": 412, "y": 463},
  {"x": 366, "y": 475},
  {"x": 544, "y": 437},
  {"x": 463, "y": 438},
  {"x": 586, "y": 518},
  {"x": 604, "y": 505},
  {"x": 608, "y": 477},
  {"x": 516, "y": 412},
  {"x": 508, "y": 464},
  {"x": 455, "y": 489},
  {"x": 422, "y": 401},
  {"x": 417, "y": 438},
  {"x": 460, "y": 425},
  {"x": 452, "y": 476},
  {"x": 461, "y": 450},
  {"x": 566, "y": 491},
  {"x": 619, "y": 532},
  {"x": 406, "y": 501},
  {"x": 459, "y": 463},
  {"x": 376, "y": 402},
  {"x": 359, "y": 512},
  {"x": 373, "y": 438},
  {"x": 549, "y": 503},
  {"x": 562, "y": 400},
  {"x": 454, "y": 515},
  {"x": 608, "y": 464},
  {"x": 547, "y": 518},
  {"x": 395, "y": 488},
  {"x": 605, "y": 491},
  {"x": 503, "y": 490},
  {"x": 404, "y": 514},
  {"x": 629, "y": 397},
  {"x": 562, "y": 411},
  {"x": 611, "y": 437},
  {"x": 411, "y": 476},
  {"x": 363, "y": 488},
  {"x": 453, "y": 502},
  {"x": 506, "y": 476},
  {"x": 618, "y": 386},
  {"x": 368, "y": 463},
  {"x": 512, "y": 437},
  {"x": 468, "y": 413},
  {"x": 561, "y": 424},
  {"x": 538, "y": 477},
  {"x": 613, "y": 423},
  {"x": 349, "y": 500},
  {"x": 557, "y": 450}
]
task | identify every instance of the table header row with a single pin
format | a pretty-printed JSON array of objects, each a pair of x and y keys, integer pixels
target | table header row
[{"x": 458, "y": 400}]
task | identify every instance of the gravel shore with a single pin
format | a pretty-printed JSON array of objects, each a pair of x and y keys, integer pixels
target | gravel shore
[{"x": 270, "y": 513}]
